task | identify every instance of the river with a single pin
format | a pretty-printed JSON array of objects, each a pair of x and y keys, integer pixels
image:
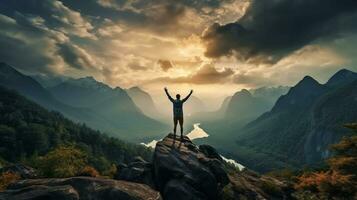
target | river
[{"x": 196, "y": 133}]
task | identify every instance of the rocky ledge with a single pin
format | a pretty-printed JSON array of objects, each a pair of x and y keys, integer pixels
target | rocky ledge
[
  {"x": 86, "y": 188},
  {"x": 179, "y": 170}
]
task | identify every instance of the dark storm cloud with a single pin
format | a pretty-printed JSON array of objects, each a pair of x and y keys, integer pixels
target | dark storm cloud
[
  {"x": 26, "y": 43},
  {"x": 75, "y": 56},
  {"x": 160, "y": 16},
  {"x": 207, "y": 74},
  {"x": 270, "y": 30},
  {"x": 37, "y": 36}
]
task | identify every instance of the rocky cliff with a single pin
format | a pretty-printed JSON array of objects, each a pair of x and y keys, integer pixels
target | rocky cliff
[{"x": 179, "y": 170}]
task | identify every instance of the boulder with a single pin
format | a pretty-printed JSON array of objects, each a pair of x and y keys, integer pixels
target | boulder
[
  {"x": 84, "y": 188},
  {"x": 210, "y": 152},
  {"x": 22, "y": 170},
  {"x": 183, "y": 171},
  {"x": 139, "y": 171}
]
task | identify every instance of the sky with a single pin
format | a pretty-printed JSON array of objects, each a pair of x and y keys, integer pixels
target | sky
[{"x": 215, "y": 47}]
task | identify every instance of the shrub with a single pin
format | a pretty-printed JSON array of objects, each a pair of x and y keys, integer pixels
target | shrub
[
  {"x": 270, "y": 188},
  {"x": 89, "y": 171},
  {"x": 64, "y": 161},
  {"x": 7, "y": 178},
  {"x": 327, "y": 184},
  {"x": 111, "y": 171}
]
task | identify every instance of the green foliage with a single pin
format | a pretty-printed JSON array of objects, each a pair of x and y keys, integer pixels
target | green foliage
[
  {"x": 28, "y": 130},
  {"x": 339, "y": 181},
  {"x": 64, "y": 161}
]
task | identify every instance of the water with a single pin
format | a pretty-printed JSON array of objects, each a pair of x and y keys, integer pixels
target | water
[{"x": 196, "y": 133}]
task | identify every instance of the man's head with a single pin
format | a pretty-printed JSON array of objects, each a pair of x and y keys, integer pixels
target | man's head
[{"x": 178, "y": 96}]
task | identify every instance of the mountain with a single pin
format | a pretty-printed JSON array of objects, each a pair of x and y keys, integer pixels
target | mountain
[
  {"x": 302, "y": 124},
  {"x": 27, "y": 129},
  {"x": 49, "y": 80},
  {"x": 209, "y": 116},
  {"x": 342, "y": 77},
  {"x": 12, "y": 79},
  {"x": 90, "y": 102},
  {"x": 27, "y": 86},
  {"x": 243, "y": 107},
  {"x": 144, "y": 101},
  {"x": 194, "y": 105},
  {"x": 113, "y": 105}
]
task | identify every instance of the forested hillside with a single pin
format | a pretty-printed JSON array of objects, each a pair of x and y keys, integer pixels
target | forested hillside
[
  {"x": 302, "y": 125},
  {"x": 27, "y": 130}
]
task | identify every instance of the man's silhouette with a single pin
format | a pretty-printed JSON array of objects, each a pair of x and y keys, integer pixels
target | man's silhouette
[{"x": 177, "y": 110}]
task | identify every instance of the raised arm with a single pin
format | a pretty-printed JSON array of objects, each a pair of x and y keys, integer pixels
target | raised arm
[
  {"x": 168, "y": 95},
  {"x": 188, "y": 96}
]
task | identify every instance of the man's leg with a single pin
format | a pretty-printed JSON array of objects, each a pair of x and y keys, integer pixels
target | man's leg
[
  {"x": 175, "y": 125},
  {"x": 181, "y": 126}
]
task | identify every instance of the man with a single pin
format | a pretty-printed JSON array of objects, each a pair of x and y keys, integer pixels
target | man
[{"x": 177, "y": 110}]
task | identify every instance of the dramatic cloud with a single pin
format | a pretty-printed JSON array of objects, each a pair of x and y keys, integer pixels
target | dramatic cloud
[
  {"x": 270, "y": 30},
  {"x": 207, "y": 74},
  {"x": 131, "y": 42},
  {"x": 76, "y": 56},
  {"x": 136, "y": 66}
]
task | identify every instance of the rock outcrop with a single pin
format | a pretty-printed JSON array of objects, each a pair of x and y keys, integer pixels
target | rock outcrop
[
  {"x": 179, "y": 170},
  {"x": 184, "y": 171},
  {"x": 22, "y": 170},
  {"x": 139, "y": 171},
  {"x": 84, "y": 188}
]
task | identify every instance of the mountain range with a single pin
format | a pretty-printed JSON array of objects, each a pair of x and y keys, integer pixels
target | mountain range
[
  {"x": 88, "y": 101},
  {"x": 302, "y": 124},
  {"x": 265, "y": 128}
]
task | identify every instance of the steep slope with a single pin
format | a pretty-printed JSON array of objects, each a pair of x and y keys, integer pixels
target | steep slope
[
  {"x": 114, "y": 105},
  {"x": 25, "y": 85},
  {"x": 341, "y": 78},
  {"x": 27, "y": 129},
  {"x": 211, "y": 116},
  {"x": 144, "y": 101},
  {"x": 49, "y": 80},
  {"x": 11, "y": 78},
  {"x": 301, "y": 125},
  {"x": 194, "y": 105},
  {"x": 243, "y": 107}
]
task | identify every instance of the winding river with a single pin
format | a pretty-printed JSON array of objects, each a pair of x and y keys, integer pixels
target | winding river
[{"x": 196, "y": 133}]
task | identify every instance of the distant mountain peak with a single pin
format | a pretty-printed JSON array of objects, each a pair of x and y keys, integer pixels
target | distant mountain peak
[
  {"x": 87, "y": 78},
  {"x": 89, "y": 82},
  {"x": 342, "y": 77},
  {"x": 135, "y": 88},
  {"x": 307, "y": 81},
  {"x": 243, "y": 93}
]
